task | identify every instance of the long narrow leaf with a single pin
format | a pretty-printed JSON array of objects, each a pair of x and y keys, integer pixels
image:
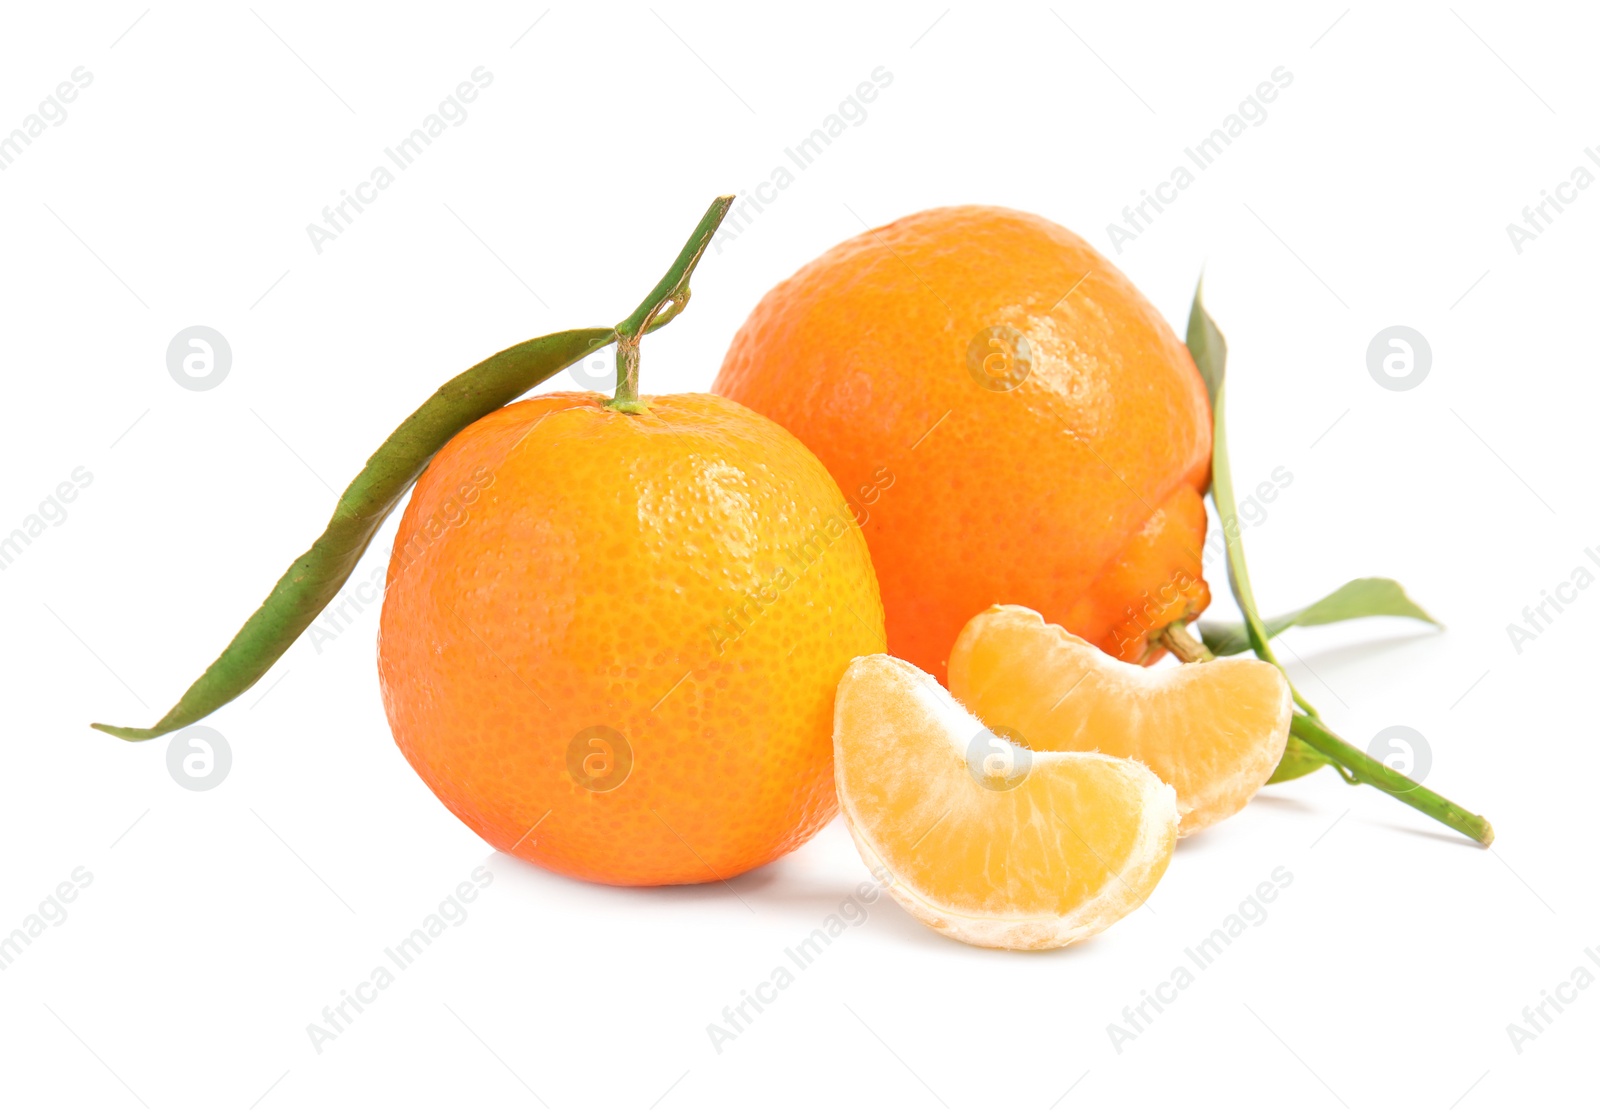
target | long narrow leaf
[
  {"x": 1207, "y": 346},
  {"x": 1210, "y": 352},
  {"x": 315, "y": 577},
  {"x": 1361, "y": 597}
]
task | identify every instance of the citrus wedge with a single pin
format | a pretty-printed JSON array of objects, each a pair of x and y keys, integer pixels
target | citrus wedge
[
  {"x": 979, "y": 837},
  {"x": 1213, "y": 730}
]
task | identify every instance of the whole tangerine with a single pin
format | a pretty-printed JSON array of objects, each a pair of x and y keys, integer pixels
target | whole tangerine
[
  {"x": 1013, "y": 420},
  {"x": 610, "y": 639}
]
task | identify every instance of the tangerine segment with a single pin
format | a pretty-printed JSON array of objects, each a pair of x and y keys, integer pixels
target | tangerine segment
[
  {"x": 1214, "y": 731},
  {"x": 980, "y": 838}
]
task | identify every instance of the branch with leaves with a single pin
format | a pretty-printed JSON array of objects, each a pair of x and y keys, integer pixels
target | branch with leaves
[{"x": 1311, "y": 743}]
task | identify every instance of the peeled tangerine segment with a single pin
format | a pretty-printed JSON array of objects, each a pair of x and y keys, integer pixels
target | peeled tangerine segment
[
  {"x": 1214, "y": 730},
  {"x": 979, "y": 838}
]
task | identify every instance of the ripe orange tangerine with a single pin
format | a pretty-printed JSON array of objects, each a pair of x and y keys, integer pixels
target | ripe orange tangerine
[
  {"x": 1012, "y": 418},
  {"x": 610, "y": 639}
]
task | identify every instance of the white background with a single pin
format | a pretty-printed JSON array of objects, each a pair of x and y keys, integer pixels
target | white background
[{"x": 219, "y": 924}]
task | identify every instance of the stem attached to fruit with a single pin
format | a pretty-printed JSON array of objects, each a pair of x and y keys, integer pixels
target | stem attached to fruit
[
  {"x": 313, "y": 579},
  {"x": 1351, "y": 763},
  {"x": 1182, "y": 644},
  {"x": 663, "y": 304}
]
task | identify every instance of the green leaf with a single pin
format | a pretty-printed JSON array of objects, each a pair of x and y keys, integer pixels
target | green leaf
[
  {"x": 1361, "y": 597},
  {"x": 1210, "y": 352},
  {"x": 1309, "y": 739},
  {"x": 1228, "y": 512},
  {"x": 315, "y": 577},
  {"x": 1207, "y": 346},
  {"x": 1298, "y": 760}
]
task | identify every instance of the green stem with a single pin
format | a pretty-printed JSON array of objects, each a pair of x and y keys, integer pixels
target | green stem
[
  {"x": 1352, "y": 764},
  {"x": 1238, "y": 572},
  {"x": 1361, "y": 768},
  {"x": 316, "y": 576},
  {"x": 664, "y": 303}
]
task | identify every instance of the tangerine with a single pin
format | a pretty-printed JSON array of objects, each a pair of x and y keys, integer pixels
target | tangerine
[
  {"x": 1012, "y": 418},
  {"x": 610, "y": 639}
]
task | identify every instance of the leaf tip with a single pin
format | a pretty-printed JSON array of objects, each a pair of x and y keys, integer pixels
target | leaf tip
[{"x": 126, "y": 733}]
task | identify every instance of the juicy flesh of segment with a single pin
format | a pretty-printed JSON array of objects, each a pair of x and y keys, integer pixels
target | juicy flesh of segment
[
  {"x": 1214, "y": 731},
  {"x": 918, "y": 793}
]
